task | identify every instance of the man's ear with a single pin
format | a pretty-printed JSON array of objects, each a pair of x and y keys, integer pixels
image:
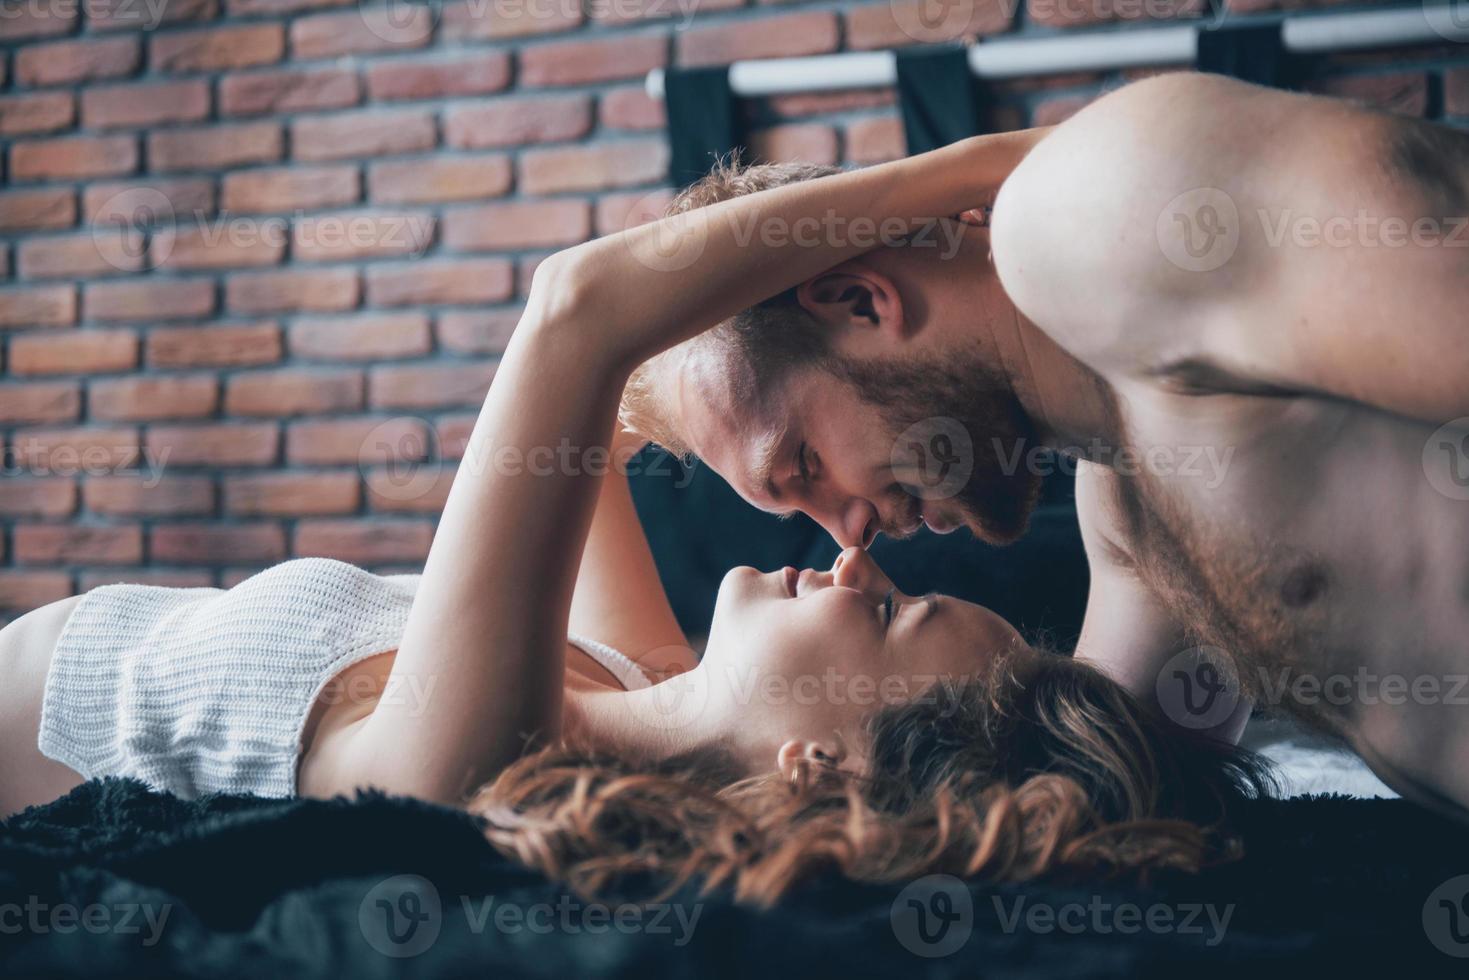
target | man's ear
[{"x": 855, "y": 297}]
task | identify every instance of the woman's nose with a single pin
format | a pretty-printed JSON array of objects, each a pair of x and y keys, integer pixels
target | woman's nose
[{"x": 855, "y": 569}]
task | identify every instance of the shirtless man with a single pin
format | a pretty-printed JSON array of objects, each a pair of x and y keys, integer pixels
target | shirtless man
[{"x": 1245, "y": 312}]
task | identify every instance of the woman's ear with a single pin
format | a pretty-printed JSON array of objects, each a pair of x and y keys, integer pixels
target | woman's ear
[
  {"x": 799, "y": 759},
  {"x": 855, "y": 297}
]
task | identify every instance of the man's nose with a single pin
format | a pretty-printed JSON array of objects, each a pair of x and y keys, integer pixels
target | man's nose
[
  {"x": 855, "y": 569},
  {"x": 854, "y": 524}
]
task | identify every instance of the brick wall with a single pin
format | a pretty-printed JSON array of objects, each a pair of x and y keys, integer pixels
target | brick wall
[{"x": 260, "y": 256}]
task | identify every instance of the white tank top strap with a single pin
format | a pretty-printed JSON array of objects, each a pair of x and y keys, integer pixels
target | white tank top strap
[{"x": 619, "y": 664}]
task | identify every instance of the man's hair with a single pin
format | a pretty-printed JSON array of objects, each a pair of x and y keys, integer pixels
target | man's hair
[{"x": 771, "y": 338}]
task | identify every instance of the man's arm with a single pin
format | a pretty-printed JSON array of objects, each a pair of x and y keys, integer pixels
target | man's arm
[
  {"x": 1302, "y": 243},
  {"x": 1131, "y": 636}
]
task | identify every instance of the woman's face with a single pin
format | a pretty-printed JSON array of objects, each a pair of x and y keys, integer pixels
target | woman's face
[{"x": 801, "y": 659}]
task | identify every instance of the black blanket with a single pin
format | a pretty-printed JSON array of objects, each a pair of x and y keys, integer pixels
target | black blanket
[{"x": 113, "y": 880}]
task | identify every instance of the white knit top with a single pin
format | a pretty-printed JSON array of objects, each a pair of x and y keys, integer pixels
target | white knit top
[{"x": 202, "y": 690}]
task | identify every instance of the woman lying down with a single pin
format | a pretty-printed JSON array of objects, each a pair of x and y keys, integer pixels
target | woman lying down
[{"x": 833, "y": 722}]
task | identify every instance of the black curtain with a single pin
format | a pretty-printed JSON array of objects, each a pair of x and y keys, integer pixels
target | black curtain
[
  {"x": 703, "y": 124},
  {"x": 1251, "y": 53},
  {"x": 939, "y": 96}
]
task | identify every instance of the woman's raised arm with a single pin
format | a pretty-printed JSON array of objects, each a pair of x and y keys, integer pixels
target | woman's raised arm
[{"x": 486, "y": 635}]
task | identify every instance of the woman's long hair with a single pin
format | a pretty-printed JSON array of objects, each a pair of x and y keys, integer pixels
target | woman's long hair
[{"x": 1045, "y": 767}]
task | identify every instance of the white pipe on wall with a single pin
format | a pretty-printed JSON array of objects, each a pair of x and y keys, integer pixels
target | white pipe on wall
[{"x": 1098, "y": 50}]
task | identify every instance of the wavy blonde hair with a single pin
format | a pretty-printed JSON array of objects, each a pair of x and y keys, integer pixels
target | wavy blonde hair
[{"x": 1050, "y": 768}]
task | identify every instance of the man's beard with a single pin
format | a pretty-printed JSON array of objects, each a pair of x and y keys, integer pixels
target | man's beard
[{"x": 961, "y": 406}]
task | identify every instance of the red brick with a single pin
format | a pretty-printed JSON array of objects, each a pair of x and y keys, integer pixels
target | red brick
[
  {"x": 783, "y": 36},
  {"x": 291, "y": 189},
  {"x": 33, "y": 210},
  {"x": 282, "y": 6},
  {"x": 230, "y": 243},
  {"x": 478, "y": 332},
  {"x": 1456, "y": 92},
  {"x": 1068, "y": 13},
  {"x": 38, "y": 306},
  {"x": 74, "y": 158},
  {"x": 64, "y": 544},
  {"x": 230, "y": 444},
  {"x": 215, "y": 147},
  {"x": 900, "y": 22},
  {"x": 876, "y": 140},
  {"x": 422, "y": 489},
  {"x": 421, "y": 283},
  {"x": 631, "y": 108},
  {"x": 357, "y": 441},
  {"x": 148, "y": 299},
  {"x": 348, "y": 237},
  {"x": 1401, "y": 92},
  {"x": 317, "y": 290},
  {"x": 452, "y": 434},
  {"x": 216, "y": 48},
  {"x": 513, "y": 122},
  {"x": 631, "y": 11},
  {"x": 131, "y": 15},
  {"x": 393, "y": 27},
  {"x": 293, "y": 391},
  {"x": 24, "y": 591},
  {"x": 435, "y": 385},
  {"x": 168, "y": 578},
  {"x": 440, "y": 178},
  {"x": 288, "y": 90},
  {"x": 68, "y": 452},
  {"x": 809, "y": 142},
  {"x": 52, "y": 496},
  {"x": 587, "y": 62},
  {"x": 525, "y": 271},
  {"x": 376, "y": 336},
  {"x": 367, "y": 133},
  {"x": 140, "y": 398},
  {"x": 290, "y": 494},
  {"x": 40, "y": 112},
  {"x": 104, "y": 252},
  {"x": 130, "y": 106},
  {"x": 74, "y": 352},
  {"x": 171, "y": 200},
  {"x": 517, "y": 225},
  {"x": 485, "y": 71},
  {"x": 498, "y": 19},
  {"x": 626, "y": 163},
  {"x": 799, "y": 105},
  {"x": 149, "y": 495},
  {"x": 28, "y": 20},
  {"x": 628, "y": 209},
  {"x": 72, "y": 62},
  {"x": 239, "y": 345},
  {"x": 363, "y": 542},
  {"x": 213, "y": 544}
]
